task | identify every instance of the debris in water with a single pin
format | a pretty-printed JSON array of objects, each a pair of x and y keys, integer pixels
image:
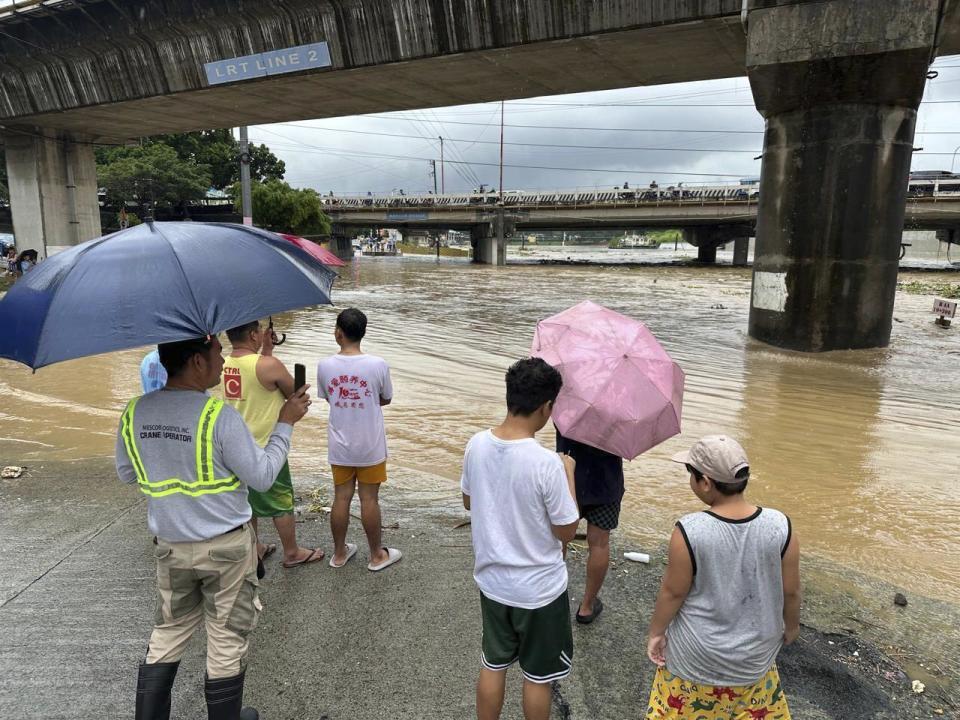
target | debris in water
[
  {"x": 918, "y": 687},
  {"x": 12, "y": 471},
  {"x": 900, "y": 599}
]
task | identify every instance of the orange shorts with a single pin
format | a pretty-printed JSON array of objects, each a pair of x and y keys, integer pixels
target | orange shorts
[{"x": 372, "y": 475}]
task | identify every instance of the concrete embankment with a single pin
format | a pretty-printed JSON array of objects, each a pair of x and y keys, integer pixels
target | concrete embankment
[{"x": 77, "y": 597}]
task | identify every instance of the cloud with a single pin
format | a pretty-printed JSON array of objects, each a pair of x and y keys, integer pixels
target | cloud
[{"x": 654, "y": 133}]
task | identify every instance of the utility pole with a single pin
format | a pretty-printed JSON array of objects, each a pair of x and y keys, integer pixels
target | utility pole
[
  {"x": 245, "y": 200},
  {"x": 501, "y": 151},
  {"x": 433, "y": 172},
  {"x": 443, "y": 184}
]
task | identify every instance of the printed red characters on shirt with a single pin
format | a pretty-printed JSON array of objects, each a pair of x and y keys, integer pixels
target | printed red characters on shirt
[
  {"x": 349, "y": 392},
  {"x": 232, "y": 383}
]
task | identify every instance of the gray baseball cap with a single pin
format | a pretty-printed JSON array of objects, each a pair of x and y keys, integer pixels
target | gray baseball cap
[{"x": 719, "y": 457}]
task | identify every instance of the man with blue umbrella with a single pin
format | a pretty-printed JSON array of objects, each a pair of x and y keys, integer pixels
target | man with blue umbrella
[{"x": 194, "y": 459}]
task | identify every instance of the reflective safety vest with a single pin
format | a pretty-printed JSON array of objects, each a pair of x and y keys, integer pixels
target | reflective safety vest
[{"x": 206, "y": 484}]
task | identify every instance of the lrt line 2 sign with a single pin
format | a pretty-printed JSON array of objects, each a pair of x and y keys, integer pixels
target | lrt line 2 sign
[{"x": 274, "y": 62}]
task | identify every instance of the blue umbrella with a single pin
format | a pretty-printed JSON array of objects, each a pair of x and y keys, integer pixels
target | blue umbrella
[{"x": 154, "y": 283}]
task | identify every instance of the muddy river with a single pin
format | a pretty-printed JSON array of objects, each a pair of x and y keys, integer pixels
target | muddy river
[{"x": 860, "y": 448}]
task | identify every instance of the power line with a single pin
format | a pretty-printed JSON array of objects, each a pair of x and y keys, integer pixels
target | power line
[
  {"x": 523, "y": 144},
  {"x": 338, "y": 151},
  {"x": 555, "y": 127}
]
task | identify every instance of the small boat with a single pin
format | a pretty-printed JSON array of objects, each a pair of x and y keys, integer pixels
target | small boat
[{"x": 637, "y": 242}]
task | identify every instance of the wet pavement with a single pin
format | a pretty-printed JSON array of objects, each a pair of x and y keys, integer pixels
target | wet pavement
[{"x": 77, "y": 600}]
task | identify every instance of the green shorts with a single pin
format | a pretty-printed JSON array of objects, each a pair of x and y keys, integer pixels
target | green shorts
[
  {"x": 540, "y": 639},
  {"x": 276, "y": 501}
]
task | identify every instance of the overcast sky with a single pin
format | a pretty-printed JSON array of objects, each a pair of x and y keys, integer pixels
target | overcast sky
[{"x": 321, "y": 154}]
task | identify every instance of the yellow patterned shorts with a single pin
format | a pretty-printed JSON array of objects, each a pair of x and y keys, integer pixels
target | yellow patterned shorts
[{"x": 673, "y": 697}]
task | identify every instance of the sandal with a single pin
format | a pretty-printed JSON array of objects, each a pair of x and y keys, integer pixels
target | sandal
[
  {"x": 315, "y": 554},
  {"x": 587, "y": 619},
  {"x": 393, "y": 556}
]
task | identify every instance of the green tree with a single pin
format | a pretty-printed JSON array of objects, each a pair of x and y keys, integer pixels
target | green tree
[
  {"x": 150, "y": 174},
  {"x": 279, "y": 207},
  {"x": 220, "y": 151}
]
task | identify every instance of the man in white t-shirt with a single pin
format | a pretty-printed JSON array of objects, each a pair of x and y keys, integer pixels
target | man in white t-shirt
[
  {"x": 356, "y": 386},
  {"x": 523, "y": 507}
]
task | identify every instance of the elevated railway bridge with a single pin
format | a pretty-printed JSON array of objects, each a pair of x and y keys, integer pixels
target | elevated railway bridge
[{"x": 709, "y": 215}]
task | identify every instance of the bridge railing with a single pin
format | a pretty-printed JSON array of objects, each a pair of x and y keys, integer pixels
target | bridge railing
[
  {"x": 680, "y": 194},
  {"x": 573, "y": 198}
]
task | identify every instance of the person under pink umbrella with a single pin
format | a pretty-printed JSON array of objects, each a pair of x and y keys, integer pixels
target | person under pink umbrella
[{"x": 622, "y": 394}]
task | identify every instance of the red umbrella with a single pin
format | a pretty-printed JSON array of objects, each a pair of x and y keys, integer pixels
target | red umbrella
[{"x": 321, "y": 254}]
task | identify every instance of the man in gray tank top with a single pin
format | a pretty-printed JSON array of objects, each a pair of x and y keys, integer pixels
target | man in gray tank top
[{"x": 729, "y": 600}]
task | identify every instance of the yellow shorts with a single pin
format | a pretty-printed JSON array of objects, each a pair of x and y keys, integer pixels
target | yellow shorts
[
  {"x": 673, "y": 697},
  {"x": 372, "y": 475}
]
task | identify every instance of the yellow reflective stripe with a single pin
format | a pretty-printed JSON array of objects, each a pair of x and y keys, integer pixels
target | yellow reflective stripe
[
  {"x": 205, "y": 490},
  {"x": 130, "y": 442},
  {"x": 206, "y": 483},
  {"x": 204, "y": 438},
  {"x": 198, "y": 483},
  {"x": 208, "y": 437}
]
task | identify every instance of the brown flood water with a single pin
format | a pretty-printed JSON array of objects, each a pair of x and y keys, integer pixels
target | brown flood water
[{"x": 860, "y": 448}]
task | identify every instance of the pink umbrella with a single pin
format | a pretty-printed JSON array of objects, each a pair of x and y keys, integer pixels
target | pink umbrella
[
  {"x": 621, "y": 391},
  {"x": 321, "y": 254}
]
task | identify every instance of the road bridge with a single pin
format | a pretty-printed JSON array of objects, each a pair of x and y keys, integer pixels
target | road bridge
[
  {"x": 838, "y": 82},
  {"x": 710, "y": 215}
]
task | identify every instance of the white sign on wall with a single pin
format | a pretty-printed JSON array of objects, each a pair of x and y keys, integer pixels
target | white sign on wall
[
  {"x": 770, "y": 291},
  {"x": 274, "y": 62}
]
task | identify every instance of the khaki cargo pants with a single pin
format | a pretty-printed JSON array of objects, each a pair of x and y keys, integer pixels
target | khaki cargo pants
[{"x": 215, "y": 582}]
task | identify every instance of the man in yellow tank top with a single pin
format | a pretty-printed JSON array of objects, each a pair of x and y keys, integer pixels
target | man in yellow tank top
[{"x": 257, "y": 384}]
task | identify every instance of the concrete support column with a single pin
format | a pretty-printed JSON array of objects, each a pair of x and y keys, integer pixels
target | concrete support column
[
  {"x": 707, "y": 238},
  {"x": 53, "y": 190},
  {"x": 741, "y": 251},
  {"x": 489, "y": 243},
  {"x": 707, "y": 252},
  {"x": 839, "y": 88},
  {"x": 341, "y": 246}
]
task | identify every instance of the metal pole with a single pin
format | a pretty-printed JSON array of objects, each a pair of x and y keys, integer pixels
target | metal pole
[
  {"x": 443, "y": 182},
  {"x": 501, "y": 151},
  {"x": 954, "y": 159},
  {"x": 433, "y": 164},
  {"x": 245, "y": 200}
]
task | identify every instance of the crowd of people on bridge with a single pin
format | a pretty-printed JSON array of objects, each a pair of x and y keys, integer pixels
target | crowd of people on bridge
[{"x": 213, "y": 467}]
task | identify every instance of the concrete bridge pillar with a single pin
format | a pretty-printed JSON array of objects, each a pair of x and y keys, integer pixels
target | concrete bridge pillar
[
  {"x": 839, "y": 88},
  {"x": 707, "y": 238},
  {"x": 340, "y": 244},
  {"x": 741, "y": 251},
  {"x": 489, "y": 241},
  {"x": 53, "y": 190}
]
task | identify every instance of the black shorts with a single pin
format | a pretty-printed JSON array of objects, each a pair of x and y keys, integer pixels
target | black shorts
[
  {"x": 540, "y": 639},
  {"x": 605, "y": 517}
]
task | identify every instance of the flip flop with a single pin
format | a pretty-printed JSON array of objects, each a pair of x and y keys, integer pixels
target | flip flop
[
  {"x": 587, "y": 619},
  {"x": 393, "y": 556},
  {"x": 351, "y": 551},
  {"x": 315, "y": 555}
]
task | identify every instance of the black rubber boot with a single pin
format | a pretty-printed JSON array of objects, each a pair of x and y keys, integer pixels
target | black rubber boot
[
  {"x": 225, "y": 699},
  {"x": 154, "y": 684}
]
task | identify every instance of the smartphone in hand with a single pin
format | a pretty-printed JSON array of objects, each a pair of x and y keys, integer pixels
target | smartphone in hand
[{"x": 299, "y": 376}]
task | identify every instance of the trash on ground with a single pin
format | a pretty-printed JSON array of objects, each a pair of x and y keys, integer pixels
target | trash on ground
[
  {"x": 12, "y": 471},
  {"x": 918, "y": 687},
  {"x": 637, "y": 557}
]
